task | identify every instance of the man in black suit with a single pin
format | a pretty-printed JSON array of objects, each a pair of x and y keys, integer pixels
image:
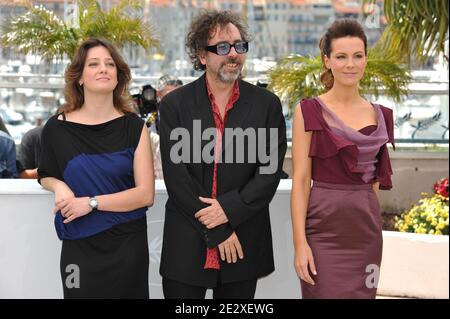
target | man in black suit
[{"x": 223, "y": 143}]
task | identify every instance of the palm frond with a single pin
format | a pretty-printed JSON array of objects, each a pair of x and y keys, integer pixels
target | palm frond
[
  {"x": 122, "y": 25},
  {"x": 41, "y": 31},
  {"x": 385, "y": 75},
  {"x": 297, "y": 77},
  {"x": 38, "y": 31},
  {"x": 416, "y": 29}
]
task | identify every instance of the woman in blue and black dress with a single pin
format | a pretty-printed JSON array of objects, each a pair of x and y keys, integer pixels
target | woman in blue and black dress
[{"x": 96, "y": 158}]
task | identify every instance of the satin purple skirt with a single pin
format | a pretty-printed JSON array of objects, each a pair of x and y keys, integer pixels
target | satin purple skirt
[{"x": 343, "y": 229}]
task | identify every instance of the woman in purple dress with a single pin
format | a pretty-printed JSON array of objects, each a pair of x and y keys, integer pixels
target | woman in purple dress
[{"x": 339, "y": 142}]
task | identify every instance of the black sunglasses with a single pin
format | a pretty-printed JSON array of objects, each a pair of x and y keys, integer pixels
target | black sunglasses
[{"x": 223, "y": 48}]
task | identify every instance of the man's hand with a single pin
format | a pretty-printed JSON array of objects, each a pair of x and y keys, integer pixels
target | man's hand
[
  {"x": 231, "y": 249},
  {"x": 213, "y": 215}
]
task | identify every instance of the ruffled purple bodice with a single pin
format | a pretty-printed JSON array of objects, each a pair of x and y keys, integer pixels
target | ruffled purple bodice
[
  {"x": 368, "y": 145},
  {"x": 342, "y": 155}
]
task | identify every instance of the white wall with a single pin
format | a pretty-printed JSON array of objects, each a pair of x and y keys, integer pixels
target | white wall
[
  {"x": 30, "y": 249},
  {"x": 414, "y": 265},
  {"x": 414, "y": 173}
]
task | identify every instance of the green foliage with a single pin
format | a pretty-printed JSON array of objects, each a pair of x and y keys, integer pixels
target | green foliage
[
  {"x": 416, "y": 28},
  {"x": 384, "y": 72},
  {"x": 298, "y": 77},
  {"x": 430, "y": 216},
  {"x": 40, "y": 31}
]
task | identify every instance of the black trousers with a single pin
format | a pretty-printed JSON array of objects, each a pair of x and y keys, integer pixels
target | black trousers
[{"x": 236, "y": 290}]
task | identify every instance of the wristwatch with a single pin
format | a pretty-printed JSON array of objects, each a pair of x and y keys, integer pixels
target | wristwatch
[{"x": 93, "y": 203}]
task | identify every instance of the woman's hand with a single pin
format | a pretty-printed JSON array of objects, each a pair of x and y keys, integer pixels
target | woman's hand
[
  {"x": 62, "y": 192},
  {"x": 376, "y": 187},
  {"x": 304, "y": 263},
  {"x": 74, "y": 207}
]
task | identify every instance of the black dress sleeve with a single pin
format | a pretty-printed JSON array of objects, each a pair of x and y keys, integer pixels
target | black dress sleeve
[
  {"x": 135, "y": 129},
  {"x": 48, "y": 164}
]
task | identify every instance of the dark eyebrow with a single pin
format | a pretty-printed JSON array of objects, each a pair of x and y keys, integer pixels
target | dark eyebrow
[
  {"x": 110, "y": 59},
  {"x": 234, "y": 41},
  {"x": 359, "y": 52}
]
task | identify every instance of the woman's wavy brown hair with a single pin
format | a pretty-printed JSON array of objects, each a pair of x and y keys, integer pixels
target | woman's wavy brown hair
[
  {"x": 73, "y": 91},
  {"x": 201, "y": 28},
  {"x": 339, "y": 29}
]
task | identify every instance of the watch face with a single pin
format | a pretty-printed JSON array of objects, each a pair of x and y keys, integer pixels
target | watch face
[{"x": 93, "y": 202}]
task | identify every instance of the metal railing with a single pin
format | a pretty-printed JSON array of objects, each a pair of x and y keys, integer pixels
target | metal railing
[{"x": 423, "y": 118}]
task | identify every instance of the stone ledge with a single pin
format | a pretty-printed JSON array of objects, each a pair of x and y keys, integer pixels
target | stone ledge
[{"x": 414, "y": 265}]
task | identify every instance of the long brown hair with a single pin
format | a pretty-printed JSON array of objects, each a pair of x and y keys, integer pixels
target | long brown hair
[
  {"x": 339, "y": 29},
  {"x": 73, "y": 92}
]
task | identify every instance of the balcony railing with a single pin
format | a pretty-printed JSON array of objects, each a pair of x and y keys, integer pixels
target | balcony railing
[{"x": 423, "y": 117}]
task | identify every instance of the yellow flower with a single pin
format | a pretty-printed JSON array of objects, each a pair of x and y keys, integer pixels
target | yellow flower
[{"x": 430, "y": 216}]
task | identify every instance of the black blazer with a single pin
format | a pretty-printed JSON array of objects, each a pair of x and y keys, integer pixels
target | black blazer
[{"x": 242, "y": 191}]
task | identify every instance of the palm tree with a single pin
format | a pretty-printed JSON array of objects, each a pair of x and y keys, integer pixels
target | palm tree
[
  {"x": 416, "y": 29},
  {"x": 40, "y": 31},
  {"x": 297, "y": 77}
]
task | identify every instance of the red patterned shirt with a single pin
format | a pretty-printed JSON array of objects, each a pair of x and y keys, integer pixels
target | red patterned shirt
[{"x": 212, "y": 254}]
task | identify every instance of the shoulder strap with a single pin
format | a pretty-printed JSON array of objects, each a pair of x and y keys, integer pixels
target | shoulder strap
[{"x": 311, "y": 115}]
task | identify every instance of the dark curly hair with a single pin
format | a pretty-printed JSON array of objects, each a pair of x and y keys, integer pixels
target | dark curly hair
[
  {"x": 204, "y": 25},
  {"x": 339, "y": 29}
]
